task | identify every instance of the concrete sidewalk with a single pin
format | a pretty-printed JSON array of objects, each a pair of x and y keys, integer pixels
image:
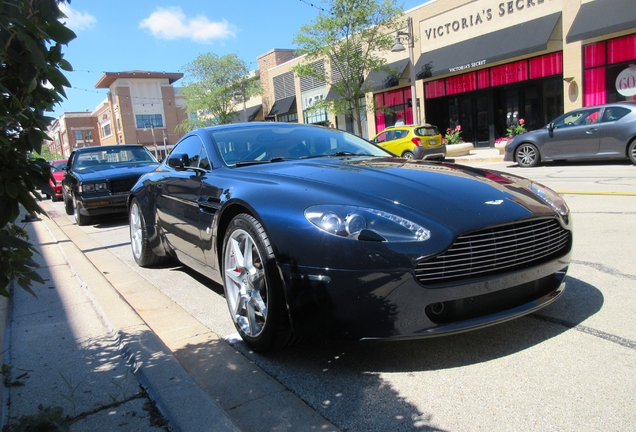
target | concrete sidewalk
[
  {"x": 479, "y": 155},
  {"x": 81, "y": 347}
]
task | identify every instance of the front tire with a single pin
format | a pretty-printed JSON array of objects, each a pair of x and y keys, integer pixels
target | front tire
[
  {"x": 631, "y": 152},
  {"x": 141, "y": 250},
  {"x": 68, "y": 205},
  {"x": 253, "y": 289},
  {"x": 80, "y": 219},
  {"x": 527, "y": 156}
]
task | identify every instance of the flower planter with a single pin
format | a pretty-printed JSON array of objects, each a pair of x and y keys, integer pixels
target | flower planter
[
  {"x": 461, "y": 149},
  {"x": 501, "y": 146}
]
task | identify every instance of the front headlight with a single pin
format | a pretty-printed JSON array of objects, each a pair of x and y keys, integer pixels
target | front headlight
[
  {"x": 92, "y": 187},
  {"x": 552, "y": 198},
  {"x": 365, "y": 224}
]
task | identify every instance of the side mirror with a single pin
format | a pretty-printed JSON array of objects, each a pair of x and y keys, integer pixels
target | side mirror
[
  {"x": 178, "y": 161},
  {"x": 551, "y": 126}
]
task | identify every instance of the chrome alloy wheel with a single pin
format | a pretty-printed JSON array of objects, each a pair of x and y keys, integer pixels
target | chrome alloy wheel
[
  {"x": 245, "y": 283},
  {"x": 136, "y": 233},
  {"x": 527, "y": 155}
]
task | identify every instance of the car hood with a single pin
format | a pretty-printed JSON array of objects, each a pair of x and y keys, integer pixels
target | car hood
[
  {"x": 111, "y": 171},
  {"x": 528, "y": 135},
  {"x": 434, "y": 190}
]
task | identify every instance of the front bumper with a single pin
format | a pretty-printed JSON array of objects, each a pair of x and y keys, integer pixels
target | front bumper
[
  {"x": 393, "y": 305},
  {"x": 101, "y": 205}
]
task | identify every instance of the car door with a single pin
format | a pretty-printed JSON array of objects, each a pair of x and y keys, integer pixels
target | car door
[
  {"x": 575, "y": 135},
  {"x": 177, "y": 207},
  {"x": 616, "y": 131},
  {"x": 209, "y": 202}
]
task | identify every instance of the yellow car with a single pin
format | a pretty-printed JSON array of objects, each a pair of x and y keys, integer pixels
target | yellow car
[{"x": 412, "y": 141}]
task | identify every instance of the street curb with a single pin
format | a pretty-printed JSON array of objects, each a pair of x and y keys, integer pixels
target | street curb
[{"x": 181, "y": 400}]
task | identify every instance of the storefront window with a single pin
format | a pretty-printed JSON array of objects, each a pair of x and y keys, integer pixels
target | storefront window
[
  {"x": 395, "y": 108},
  {"x": 621, "y": 50},
  {"x": 594, "y": 55},
  {"x": 595, "y": 86},
  {"x": 604, "y": 62}
]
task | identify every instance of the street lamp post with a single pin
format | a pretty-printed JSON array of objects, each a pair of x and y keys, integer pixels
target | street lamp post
[
  {"x": 165, "y": 144},
  {"x": 399, "y": 47},
  {"x": 154, "y": 141}
]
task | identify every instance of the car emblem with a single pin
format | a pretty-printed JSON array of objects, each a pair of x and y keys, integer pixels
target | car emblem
[{"x": 494, "y": 202}]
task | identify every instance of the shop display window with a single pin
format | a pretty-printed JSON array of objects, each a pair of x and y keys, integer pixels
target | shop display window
[
  {"x": 595, "y": 86},
  {"x": 547, "y": 65}
]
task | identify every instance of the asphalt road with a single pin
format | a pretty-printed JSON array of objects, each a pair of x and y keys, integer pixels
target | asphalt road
[{"x": 569, "y": 367}]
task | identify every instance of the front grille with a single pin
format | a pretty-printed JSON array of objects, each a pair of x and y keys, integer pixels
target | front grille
[
  {"x": 491, "y": 303},
  {"x": 496, "y": 250},
  {"x": 122, "y": 186}
]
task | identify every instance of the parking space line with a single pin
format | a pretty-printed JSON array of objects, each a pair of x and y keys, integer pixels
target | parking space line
[{"x": 561, "y": 192}]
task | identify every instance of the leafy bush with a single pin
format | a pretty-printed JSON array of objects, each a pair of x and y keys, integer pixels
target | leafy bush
[
  {"x": 518, "y": 129},
  {"x": 453, "y": 136},
  {"x": 31, "y": 83}
]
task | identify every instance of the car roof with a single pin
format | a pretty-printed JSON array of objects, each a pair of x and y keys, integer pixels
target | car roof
[
  {"x": 107, "y": 147},
  {"x": 410, "y": 126}
]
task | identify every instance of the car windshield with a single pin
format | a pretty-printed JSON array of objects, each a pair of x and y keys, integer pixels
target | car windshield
[
  {"x": 100, "y": 158},
  {"x": 58, "y": 166},
  {"x": 260, "y": 144}
]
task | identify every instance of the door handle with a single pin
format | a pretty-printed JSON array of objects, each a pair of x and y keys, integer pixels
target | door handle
[
  {"x": 208, "y": 203},
  {"x": 591, "y": 131}
]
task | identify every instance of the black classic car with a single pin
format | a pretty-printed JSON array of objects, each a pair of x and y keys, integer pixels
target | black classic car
[
  {"x": 313, "y": 231},
  {"x": 98, "y": 179}
]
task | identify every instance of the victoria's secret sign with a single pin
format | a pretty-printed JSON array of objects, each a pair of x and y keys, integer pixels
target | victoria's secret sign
[{"x": 477, "y": 18}]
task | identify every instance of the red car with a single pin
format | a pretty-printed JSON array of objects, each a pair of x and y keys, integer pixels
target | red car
[{"x": 57, "y": 174}]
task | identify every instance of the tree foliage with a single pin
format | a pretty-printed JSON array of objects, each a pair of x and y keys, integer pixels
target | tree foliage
[
  {"x": 351, "y": 36},
  {"x": 31, "y": 83},
  {"x": 213, "y": 83}
]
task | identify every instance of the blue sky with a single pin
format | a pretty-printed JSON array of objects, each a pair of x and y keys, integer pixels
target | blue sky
[{"x": 163, "y": 36}]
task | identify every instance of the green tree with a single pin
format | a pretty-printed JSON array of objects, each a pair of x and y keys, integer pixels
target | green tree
[
  {"x": 351, "y": 36},
  {"x": 31, "y": 83},
  {"x": 213, "y": 83}
]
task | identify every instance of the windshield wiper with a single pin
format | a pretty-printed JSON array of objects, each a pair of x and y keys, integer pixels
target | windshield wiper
[
  {"x": 344, "y": 153},
  {"x": 258, "y": 162}
]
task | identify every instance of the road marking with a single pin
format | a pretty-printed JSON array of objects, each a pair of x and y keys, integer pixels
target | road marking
[{"x": 595, "y": 193}]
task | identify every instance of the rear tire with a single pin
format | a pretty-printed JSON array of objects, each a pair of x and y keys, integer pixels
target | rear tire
[
  {"x": 408, "y": 155},
  {"x": 631, "y": 152},
  {"x": 527, "y": 156},
  {"x": 141, "y": 250},
  {"x": 253, "y": 289}
]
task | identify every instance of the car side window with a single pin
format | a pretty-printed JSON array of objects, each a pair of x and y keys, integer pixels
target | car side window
[
  {"x": 192, "y": 147},
  {"x": 578, "y": 118},
  {"x": 204, "y": 160},
  {"x": 382, "y": 137},
  {"x": 614, "y": 113},
  {"x": 400, "y": 134}
]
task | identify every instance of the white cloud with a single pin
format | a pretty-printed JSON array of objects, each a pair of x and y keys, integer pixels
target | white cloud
[
  {"x": 171, "y": 23},
  {"x": 76, "y": 20}
]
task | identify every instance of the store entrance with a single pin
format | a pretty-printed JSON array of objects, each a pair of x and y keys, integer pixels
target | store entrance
[
  {"x": 471, "y": 112},
  {"x": 535, "y": 104}
]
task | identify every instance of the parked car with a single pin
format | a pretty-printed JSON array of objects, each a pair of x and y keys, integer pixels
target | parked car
[
  {"x": 97, "y": 179},
  {"x": 412, "y": 141},
  {"x": 599, "y": 132},
  {"x": 313, "y": 231},
  {"x": 57, "y": 174}
]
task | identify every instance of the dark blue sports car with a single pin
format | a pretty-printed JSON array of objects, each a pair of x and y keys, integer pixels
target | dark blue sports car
[
  {"x": 316, "y": 232},
  {"x": 97, "y": 179}
]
